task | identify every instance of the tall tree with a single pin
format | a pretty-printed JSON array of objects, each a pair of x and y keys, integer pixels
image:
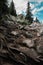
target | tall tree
[
  {"x": 29, "y": 14},
  {"x": 36, "y": 20},
  {"x": 3, "y": 7},
  {"x": 12, "y": 9}
]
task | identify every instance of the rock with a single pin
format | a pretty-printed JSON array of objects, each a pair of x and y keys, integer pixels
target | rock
[
  {"x": 20, "y": 39},
  {"x": 13, "y": 18},
  {"x": 28, "y": 42},
  {"x": 38, "y": 34},
  {"x": 29, "y": 52},
  {"x": 14, "y": 32},
  {"x": 41, "y": 31},
  {"x": 21, "y": 27},
  {"x": 40, "y": 49},
  {"x": 26, "y": 27},
  {"x": 39, "y": 45},
  {"x": 35, "y": 24},
  {"x": 28, "y": 35}
]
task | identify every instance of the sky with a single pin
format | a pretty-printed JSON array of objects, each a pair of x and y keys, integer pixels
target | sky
[{"x": 35, "y": 5}]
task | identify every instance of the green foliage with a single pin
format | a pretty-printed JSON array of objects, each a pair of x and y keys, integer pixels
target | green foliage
[
  {"x": 24, "y": 22},
  {"x": 29, "y": 14},
  {"x": 37, "y": 20},
  {"x": 12, "y": 10}
]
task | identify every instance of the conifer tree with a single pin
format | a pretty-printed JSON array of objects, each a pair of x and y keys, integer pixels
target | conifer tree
[
  {"x": 12, "y": 9},
  {"x": 29, "y": 14},
  {"x": 36, "y": 20},
  {"x": 3, "y": 7}
]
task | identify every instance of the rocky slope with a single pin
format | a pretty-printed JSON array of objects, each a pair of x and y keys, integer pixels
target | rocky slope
[{"x": 20, "y": 44}]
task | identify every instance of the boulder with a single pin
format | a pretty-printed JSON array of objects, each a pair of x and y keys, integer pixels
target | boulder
[
  {"x": 40, "y": 46},
  {"x": 14, "y": 33},
  {"x": 29, "y": 52},
  {"x": 28, "y": 35},
  {"x": 28, "y": 42}
]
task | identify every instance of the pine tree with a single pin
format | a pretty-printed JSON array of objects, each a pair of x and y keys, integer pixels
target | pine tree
[
  {"x": 36, "y": 20},
  {"x": 12, "y": 9},
  {"x": 3, "y": 7},
  {"x": 29, "y": 14}
]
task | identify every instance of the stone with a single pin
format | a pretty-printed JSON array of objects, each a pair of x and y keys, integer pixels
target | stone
[
  {"x": 29, "y": 35},
  {"x": 29, "y": 52},
  {"x": 15, "y": 32},
  {"x": 26, "y": 27},
  {"x": 28, "y": 42},
  {"x": 39, "y": 46}
]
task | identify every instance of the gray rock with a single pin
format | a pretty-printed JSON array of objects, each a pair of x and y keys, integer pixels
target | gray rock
[
  {"x": 40, "y": 45},
  {"x": 29, "y": 35},
  {"x": 28, "y": 42},
  {"x": 26, "y": 27},
  {"x": 40, "y": 49},
  {"x": 14, "y": 32},
  {"x": 29, "y": 52}
]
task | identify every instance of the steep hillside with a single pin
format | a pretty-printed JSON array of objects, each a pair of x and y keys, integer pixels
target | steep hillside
[{"x": 20, "y": 44}]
